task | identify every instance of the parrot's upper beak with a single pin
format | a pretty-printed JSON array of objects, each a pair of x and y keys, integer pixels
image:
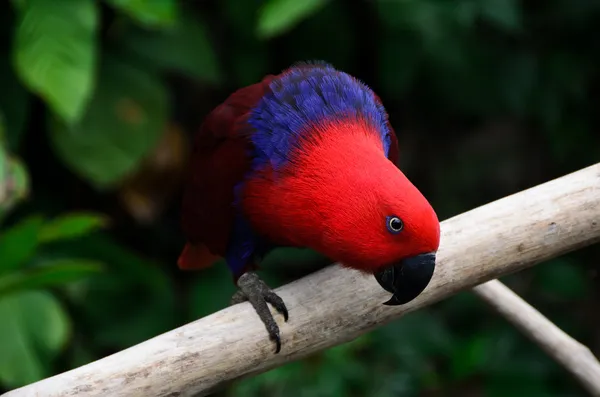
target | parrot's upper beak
[{"x": 407, "y": 278}]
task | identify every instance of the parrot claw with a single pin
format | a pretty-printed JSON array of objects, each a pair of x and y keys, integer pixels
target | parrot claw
[{"x": 254, "y": 290}]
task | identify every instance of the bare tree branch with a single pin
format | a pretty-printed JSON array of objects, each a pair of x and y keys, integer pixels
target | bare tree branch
[
  {"x": 574, "y": 356},
  {"x": 335, "y": 305}
]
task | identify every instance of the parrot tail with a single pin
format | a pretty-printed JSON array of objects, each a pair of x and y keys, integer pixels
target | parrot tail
[{"x": 195, "y": 257}]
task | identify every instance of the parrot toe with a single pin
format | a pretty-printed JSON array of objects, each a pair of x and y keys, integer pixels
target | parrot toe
[
  {"x": 254, "y": 290},
  {"x": 278, "y": 303}
]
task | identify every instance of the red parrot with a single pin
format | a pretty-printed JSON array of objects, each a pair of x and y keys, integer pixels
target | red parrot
[{"x": 306, "y": 158}]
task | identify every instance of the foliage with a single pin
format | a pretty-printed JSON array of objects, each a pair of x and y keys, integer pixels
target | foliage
[
  {"x": 105, "y": 146},
  {"x": 28, "y": 269},
  {"x": 98, "y": 103},
  {"x": 55, "y": 50},
  {"x": 278, "y": 16},
  {"x": 27, "y": 347}
]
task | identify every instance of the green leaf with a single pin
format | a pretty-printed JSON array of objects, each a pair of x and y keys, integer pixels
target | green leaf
[
  {"x": 71, "y": 226},
  {"x": 279, "y": 16},
  {"x": 55, "y": 53},
  {"x": 146, "y": 298},
  {"x": 50, "y": 273},
  {"x": 185, "y": 48},
  {"x": 34, "y": 328},
  {"x": 150, "y": 13},
  {"x": 18, "y": 244},
  {"x": 125, "y": 121}
]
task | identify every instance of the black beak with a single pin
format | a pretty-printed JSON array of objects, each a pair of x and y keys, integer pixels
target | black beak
[{"x": 408, "y": 278}]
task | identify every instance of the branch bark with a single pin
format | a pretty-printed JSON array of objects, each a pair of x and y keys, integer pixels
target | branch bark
[
  {"x": 574, "y": 356},
  {"x": 335, "y": 305}
]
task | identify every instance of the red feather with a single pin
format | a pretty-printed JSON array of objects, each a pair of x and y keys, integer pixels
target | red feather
[
  {"x": 219, "y": 161},
  {"x": 333, "y": 200}
]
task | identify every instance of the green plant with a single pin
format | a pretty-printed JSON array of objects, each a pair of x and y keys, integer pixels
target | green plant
[{"x": 487, "y": 98}]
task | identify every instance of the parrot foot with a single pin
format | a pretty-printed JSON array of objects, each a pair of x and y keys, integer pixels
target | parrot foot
[{"x": 254, "y": 290}]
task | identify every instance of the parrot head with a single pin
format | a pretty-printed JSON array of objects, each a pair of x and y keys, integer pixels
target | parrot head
[{"x": 341, "y": 196}]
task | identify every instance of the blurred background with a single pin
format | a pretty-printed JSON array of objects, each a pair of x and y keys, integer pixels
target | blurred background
[{"x": 98, "y": 102}]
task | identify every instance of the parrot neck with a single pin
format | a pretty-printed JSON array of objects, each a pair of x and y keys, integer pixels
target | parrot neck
[{"x": 338, "y": 167}]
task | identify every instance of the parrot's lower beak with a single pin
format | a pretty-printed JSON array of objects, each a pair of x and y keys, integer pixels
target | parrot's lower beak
[{"x": 407, "y": 278}]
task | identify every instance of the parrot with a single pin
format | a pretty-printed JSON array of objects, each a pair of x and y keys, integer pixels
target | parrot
[{"x": 306, "y": 158}]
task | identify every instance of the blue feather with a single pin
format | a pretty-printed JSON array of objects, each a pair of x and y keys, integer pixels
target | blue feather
[{"x": 307, "y": 94}]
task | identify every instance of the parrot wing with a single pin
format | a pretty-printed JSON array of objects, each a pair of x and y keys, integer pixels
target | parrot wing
[{"x": 219, "y": 161}]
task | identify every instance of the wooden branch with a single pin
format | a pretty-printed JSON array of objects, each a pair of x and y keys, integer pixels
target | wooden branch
[
  {"x": 574, "y": 356},
  {"x": 336, "y": 305}
]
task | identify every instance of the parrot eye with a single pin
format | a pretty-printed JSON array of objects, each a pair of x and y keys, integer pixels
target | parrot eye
[{"x": 394, "y": 224}]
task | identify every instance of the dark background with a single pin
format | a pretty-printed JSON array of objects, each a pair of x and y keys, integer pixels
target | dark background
[{"x": 99, "y": 100}]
